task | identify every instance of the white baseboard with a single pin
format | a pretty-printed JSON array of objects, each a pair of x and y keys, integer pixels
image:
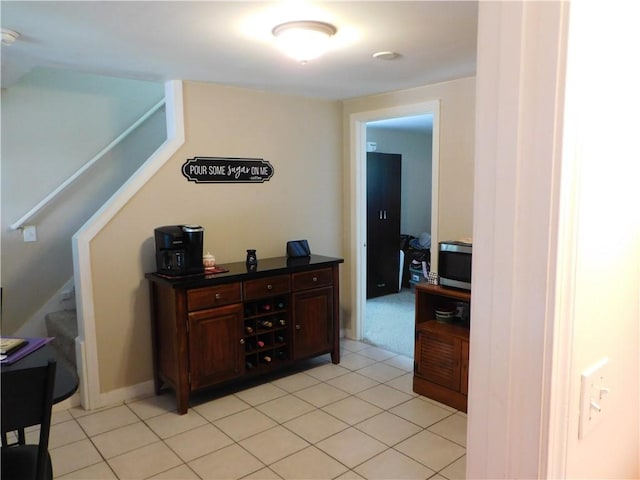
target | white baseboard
[{"x": 126, "y": 394}]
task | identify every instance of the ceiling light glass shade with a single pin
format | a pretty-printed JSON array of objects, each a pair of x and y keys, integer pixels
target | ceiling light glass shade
[
  {"x": 304, "y": 40},
  {"x": 9, "y": 36}
]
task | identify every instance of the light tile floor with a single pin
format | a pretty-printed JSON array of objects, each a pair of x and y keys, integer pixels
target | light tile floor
[{"x": 359, "y": 419}]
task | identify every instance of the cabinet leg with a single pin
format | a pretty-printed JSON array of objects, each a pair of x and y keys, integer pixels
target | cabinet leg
[
  {"x": 335, "y": 356},
  {"x": 157, "y": 383},
  {"x": 182, "y": 400}
]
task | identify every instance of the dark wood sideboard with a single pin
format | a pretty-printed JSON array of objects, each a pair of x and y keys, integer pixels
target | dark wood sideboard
[
  {"x": 213, "y": 329},
  {"x": 441, "y": 361}
]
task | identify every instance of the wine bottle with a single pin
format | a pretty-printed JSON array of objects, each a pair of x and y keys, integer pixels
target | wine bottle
[
  {"x": 260, "y": 343},
  {"x": 280, "y": 339},
  {"x": 249, "y": 365},
  {"x": 265, "y": 307},
  {"x": 282, "y": 322},
  {"x": 266, "y": 324},
  {"x": 266, "y": 359},
  {"x": 280, "y": 305},
  {"x": 248, "y": 329},
  {"x": 280, "y": 354}
]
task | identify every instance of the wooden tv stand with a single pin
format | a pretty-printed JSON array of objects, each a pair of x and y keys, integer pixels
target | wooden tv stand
[
  {"x": 441, "y": 358},
  {"x": 214, "y": 329}
]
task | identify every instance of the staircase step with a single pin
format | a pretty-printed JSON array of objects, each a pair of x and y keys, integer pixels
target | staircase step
[{"x": 63, "y": 325}]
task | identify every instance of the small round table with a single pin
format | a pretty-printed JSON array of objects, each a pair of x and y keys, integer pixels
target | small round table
[{"x": 66, "y": 379}]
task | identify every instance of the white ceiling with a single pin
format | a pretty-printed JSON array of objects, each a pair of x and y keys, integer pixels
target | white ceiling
[
  {"x": 231, "y": 43},
  {"x": 415, "y": 123}
]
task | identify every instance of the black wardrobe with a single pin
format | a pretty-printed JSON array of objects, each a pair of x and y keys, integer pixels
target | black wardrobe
[{"x": 383, "y": 223}]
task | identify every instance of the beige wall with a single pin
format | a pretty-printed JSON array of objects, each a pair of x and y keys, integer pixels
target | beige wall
[
  {"x": 456, "y": 146},
  {"x": 457, "y": 117},
  {"x": 300, "y": 137}
]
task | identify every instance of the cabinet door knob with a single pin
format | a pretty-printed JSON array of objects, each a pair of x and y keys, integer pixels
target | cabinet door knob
[
  {"x": 269, "y": 287},
  {"x": 315, "y": 279},
  {"x": 297, "y": 327},
  {"x": 242, "y": 341}
]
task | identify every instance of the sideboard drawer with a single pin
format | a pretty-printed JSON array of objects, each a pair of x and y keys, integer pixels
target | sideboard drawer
[
  {"x": 207, "y": 297},
  {"x": 312, "y": 279},
  {"x": 266, "y": 287}
]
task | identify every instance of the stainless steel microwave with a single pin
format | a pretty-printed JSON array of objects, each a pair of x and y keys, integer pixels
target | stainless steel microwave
[{"x": 454, "y": 264}]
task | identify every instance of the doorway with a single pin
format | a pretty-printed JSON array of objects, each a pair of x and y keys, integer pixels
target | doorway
[
  {"x": 402, "y": 148},
  {"x": 358, "y": 129}
]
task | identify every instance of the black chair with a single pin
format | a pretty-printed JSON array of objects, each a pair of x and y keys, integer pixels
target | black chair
[{"x": 27, "y": 398}]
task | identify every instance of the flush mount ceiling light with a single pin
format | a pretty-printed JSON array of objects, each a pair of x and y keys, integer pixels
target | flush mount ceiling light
[
  {"x": 9, "y": 36},
  {"x": 304, "y": 40},
  {"x": 386, "y": 55}
]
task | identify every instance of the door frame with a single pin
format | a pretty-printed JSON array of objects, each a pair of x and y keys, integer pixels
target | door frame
[{"x": 358, "y": 159}]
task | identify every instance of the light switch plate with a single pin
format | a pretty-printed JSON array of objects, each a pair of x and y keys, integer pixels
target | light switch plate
[
  {"x": 29, "y": 233},
  {"x": 593, "y": 397}
]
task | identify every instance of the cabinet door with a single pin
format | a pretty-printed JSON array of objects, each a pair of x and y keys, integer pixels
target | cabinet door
[
  {"x": 383, "y": 223},
  {"x": 216, "y": 351},
  {"x": 439, "y": 359},
  {"x": 313, "y": 322}
]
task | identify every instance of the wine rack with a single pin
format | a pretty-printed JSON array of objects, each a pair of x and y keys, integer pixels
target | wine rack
[{"x": 266, "y": 333}]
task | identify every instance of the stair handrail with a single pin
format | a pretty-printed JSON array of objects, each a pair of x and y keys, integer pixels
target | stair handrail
[{"x": 19, "y": 224}]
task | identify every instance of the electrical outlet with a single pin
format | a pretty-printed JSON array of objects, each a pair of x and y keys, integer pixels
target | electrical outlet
[{"x": 29, "y": 233}]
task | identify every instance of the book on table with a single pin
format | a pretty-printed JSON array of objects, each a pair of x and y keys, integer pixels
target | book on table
[
  {"x": 25, "y": 346},
  {"x": 10, "y": 344}
]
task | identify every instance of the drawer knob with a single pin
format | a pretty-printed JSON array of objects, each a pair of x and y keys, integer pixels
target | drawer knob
[
  {"x": 242, "y": 341},
  {"x": 269, "y": 287},
  {"x": 218, "y": 296}
]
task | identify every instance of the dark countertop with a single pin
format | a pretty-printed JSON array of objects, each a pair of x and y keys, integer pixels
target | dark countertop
[{"x": 238, "y": 271}]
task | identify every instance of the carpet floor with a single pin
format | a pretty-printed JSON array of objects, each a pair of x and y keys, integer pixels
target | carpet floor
[{"x": 389, "y": 322}]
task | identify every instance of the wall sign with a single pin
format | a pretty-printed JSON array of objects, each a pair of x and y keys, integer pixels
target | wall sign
[{"x": 227, "y": 170}]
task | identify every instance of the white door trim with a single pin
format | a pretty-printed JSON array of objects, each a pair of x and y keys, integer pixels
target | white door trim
[
  {"x": 518, "y": 341},
  {"x": 358, "y": 164}
]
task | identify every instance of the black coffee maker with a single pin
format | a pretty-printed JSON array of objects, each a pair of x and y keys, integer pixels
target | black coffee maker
[{"x": 179, "y": 249}]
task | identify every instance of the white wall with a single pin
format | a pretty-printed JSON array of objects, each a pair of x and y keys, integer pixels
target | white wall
[
  {"x": 556, "y": 260},
  {"x": 603, "y": 160},
  {"x": 415, "y": 148},
  {"x": 53, "y": 122}
]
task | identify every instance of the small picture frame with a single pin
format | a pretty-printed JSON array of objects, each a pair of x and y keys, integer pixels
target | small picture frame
[{"x": 298, "y": 248}]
